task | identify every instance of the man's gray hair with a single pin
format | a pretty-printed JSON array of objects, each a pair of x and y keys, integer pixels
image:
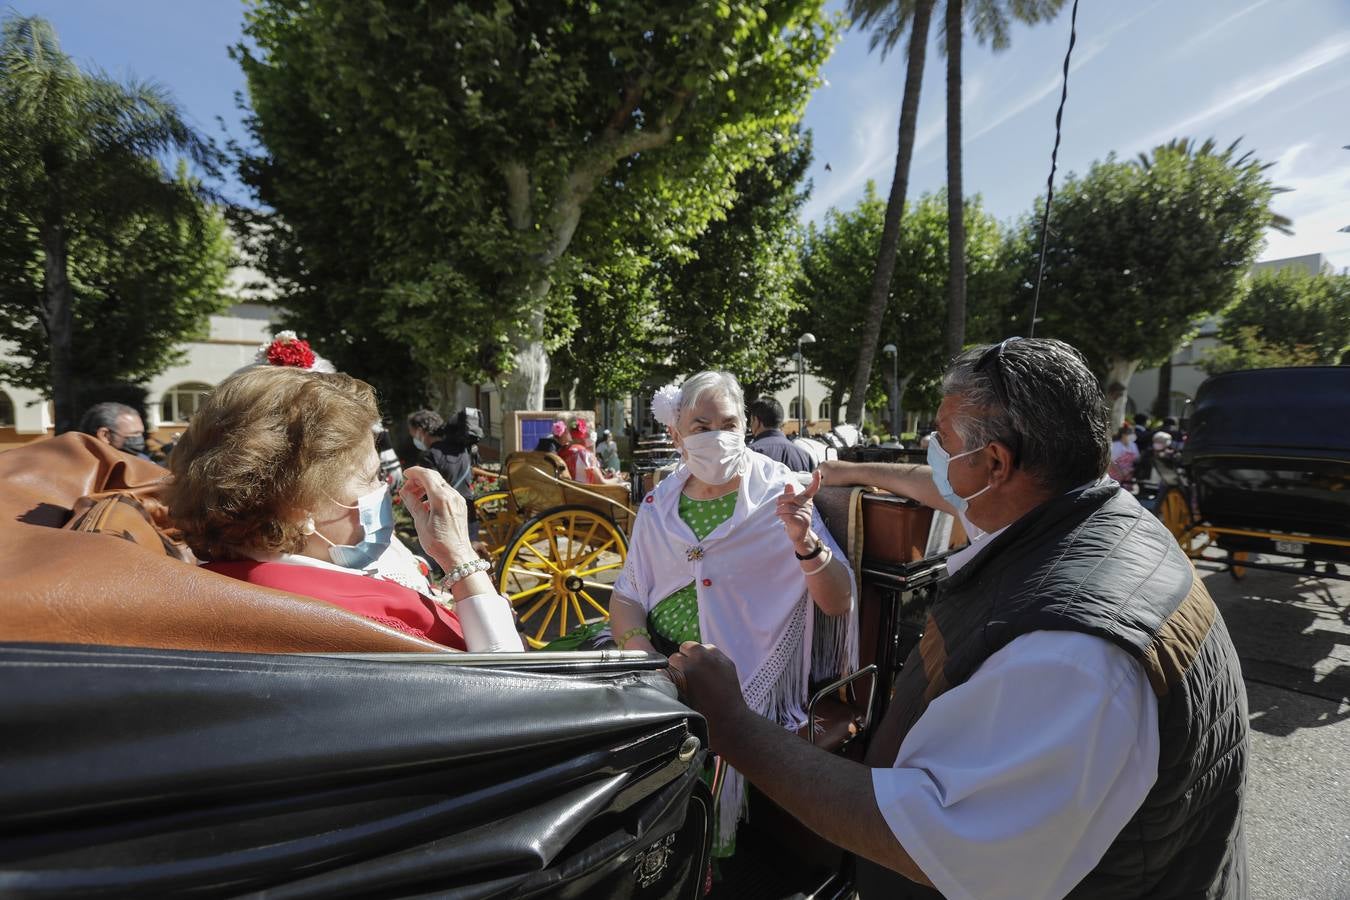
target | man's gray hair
[
  {"x": 723, "y": 384},
  {"x": 1037, "y": 397},
  {"x": 104, "y": 415}
]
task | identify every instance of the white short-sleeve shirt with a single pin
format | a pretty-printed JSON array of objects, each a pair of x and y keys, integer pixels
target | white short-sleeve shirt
[{"x": 1014, "y": 783}]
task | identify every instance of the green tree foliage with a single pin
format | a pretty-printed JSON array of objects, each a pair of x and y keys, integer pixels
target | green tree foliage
[
  {"x": 1292, "y": 308},
  {"x": 141, "y": 285},
  {"x": 836, "y": 267},
  {"x": 732, "y": 306},
  {"x": 726, "y": 301},
  {"x": 430, "y": 167},
  {"x": 1140, "y": 251},
  {"x": 106, "y": 260},
  {"x": 1245, "y": 347}
]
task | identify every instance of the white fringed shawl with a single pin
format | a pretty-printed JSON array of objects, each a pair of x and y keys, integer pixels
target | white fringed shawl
[{"x": 752, "y": 597}]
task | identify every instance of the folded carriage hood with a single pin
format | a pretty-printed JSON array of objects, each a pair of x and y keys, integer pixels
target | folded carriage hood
[
  {"x": 1295, "y": 413},
  {"x": 133, "y": 772}
]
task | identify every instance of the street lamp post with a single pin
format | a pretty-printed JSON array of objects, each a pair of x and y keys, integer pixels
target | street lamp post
[
  {"x": 890, "y": 351},
  {"x": 807, "y": 338}
]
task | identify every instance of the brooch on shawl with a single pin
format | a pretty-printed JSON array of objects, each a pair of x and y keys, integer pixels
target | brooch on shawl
[{"x": 694, "y": 554}]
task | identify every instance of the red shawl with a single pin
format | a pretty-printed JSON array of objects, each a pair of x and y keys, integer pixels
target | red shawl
[{"x": 382, "y": 601}]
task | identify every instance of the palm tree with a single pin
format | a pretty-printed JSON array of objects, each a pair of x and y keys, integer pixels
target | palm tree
[
  {"x": 890, "y": 20},
  {"x": 991, "y": 20},
  {"x": 80, "y": 151}
]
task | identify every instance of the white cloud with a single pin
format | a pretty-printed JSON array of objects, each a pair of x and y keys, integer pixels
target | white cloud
[
  {"x": 1319, "y": 205},
  {"x": 871, "y": 152},
  {"x": 1196, "y": 40},
  {"x": 1254, "y": 89},
  {"x": 1082, "y": 55}
]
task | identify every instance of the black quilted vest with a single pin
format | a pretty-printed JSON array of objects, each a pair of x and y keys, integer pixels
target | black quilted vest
[{"x": 1096, "y": 562}]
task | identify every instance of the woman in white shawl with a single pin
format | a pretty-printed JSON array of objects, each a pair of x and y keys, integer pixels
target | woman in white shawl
[{"x": 729, "y": 550}]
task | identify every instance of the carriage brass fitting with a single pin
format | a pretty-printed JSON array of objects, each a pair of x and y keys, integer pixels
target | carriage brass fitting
[{"x": 689, "y": 748}]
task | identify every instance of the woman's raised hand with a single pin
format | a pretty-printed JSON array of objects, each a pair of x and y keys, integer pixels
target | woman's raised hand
[
  {"x": 795, "y": 509},
  {"x": 440, "y": 514}
]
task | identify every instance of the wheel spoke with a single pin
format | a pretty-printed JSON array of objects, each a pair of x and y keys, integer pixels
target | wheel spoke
[
  {"x": 539, "y": 635},
  {"x": 598, "y": 569},
  {"x": 562, "y": 614},
  {"x": 557, "y": 560},
  {"x": 576, "y": 547},
  {"x": 530, "y": 592},
  {"x": 538, "y": 603},
  {"x": 576, "y": 605},
  {"x": 535, "y": 576},
  {"x": 542, "y": 558},
  {"x": 595, "y": 554},
  {"x": 591, "y": 600}
]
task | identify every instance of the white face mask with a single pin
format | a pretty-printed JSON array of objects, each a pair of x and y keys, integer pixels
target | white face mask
[{"x": 715, "y": 457}]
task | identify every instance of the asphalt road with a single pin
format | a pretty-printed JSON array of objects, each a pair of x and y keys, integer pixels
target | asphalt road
[{"x": 1293, "y": 635}]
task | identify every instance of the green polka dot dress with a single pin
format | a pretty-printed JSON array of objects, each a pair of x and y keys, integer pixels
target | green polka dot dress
[{"x": 676, "y": 617}]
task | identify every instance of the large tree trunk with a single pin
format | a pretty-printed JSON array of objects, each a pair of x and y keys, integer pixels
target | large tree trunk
[
  {"x": 1118, "y": 375},
  {"x": 956, "y": 223},
  {"x": 58, "y": 318},
  {"x": 523, "y": 388},
  {"x": 895, "y": 206},
  {"x": 1162, "y": 401}
]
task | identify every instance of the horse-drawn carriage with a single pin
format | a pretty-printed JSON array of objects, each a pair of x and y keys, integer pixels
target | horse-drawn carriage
[
  {"x": 170, "y": 731},
  {"x": 1264, "y": 479},
  {"x": 557, "y": 545}
]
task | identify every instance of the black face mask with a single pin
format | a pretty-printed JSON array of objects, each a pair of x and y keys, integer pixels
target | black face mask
[{"x": 134, "y": 444}]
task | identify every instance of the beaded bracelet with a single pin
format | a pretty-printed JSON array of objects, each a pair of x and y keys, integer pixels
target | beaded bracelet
[
  {"x": 826, "y": 558},
  {"x": 630, "y": 633},
  {"x": 464, "y": 570}
]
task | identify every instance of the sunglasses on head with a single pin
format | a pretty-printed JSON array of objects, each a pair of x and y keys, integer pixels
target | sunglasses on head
[{"x": 991, "y": 361}]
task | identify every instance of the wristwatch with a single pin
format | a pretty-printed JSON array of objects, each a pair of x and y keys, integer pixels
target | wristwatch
[{"x": 820, "y": 546}]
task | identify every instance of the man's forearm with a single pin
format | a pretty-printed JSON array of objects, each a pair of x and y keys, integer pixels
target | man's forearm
[
  {"x": 830, "y": 795},
  {"x": 901, "y": 479}
]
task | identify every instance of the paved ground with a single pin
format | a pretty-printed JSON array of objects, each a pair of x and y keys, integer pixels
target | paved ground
[{"x": 1293, "y": 634}]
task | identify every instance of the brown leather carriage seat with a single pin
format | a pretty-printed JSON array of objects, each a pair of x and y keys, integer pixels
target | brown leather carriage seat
[
  {"x": 110, "y": 580},
  {"x": 879, "y": 528}
]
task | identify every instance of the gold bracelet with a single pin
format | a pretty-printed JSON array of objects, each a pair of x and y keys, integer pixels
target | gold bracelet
[
  {"x": 828, "y": 558},
  {"x": 628, "y": 635}
]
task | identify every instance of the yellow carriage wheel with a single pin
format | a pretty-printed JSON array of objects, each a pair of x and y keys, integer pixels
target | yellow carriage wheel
[
  {"x": 559, "y": 571},
  {"x": 1175, "y": 513},
  {"x": 496, "y": 520}
]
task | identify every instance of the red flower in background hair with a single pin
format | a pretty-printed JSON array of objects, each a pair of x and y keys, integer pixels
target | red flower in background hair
[{"x": 290, "y": 352}]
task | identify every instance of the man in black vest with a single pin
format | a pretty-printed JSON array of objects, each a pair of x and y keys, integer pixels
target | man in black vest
[
  {"x": 1073, "y": 722},
  {"x": 765, "y": 418}
]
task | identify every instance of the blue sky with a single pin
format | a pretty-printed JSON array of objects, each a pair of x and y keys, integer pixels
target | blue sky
[{"x": 1273, "y": 72}]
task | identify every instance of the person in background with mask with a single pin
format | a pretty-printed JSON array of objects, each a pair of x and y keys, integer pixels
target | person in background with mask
[
  {"x": 276, "y": 482},
  {"x": 441, "y": 450},
  {"x": 1074, "y": 721},
  {"x": 1124, "y": 456},
  {"x": 730, "y": 550},
  {"x": 116, "y": 424}
]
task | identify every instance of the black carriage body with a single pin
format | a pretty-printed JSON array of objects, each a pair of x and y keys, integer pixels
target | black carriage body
[
  {"x": 139, "y": 773},
  {"x": 1268, "y": 450}
]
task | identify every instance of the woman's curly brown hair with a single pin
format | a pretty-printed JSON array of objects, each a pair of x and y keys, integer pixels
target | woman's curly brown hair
[{"x": 266, "y": 446}]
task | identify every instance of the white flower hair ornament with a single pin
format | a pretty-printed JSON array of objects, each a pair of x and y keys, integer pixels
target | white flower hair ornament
[{"x": 666, "y": 405}]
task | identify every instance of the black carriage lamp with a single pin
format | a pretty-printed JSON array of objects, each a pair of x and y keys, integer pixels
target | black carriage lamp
[{"x": 1054, "y": 160}]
